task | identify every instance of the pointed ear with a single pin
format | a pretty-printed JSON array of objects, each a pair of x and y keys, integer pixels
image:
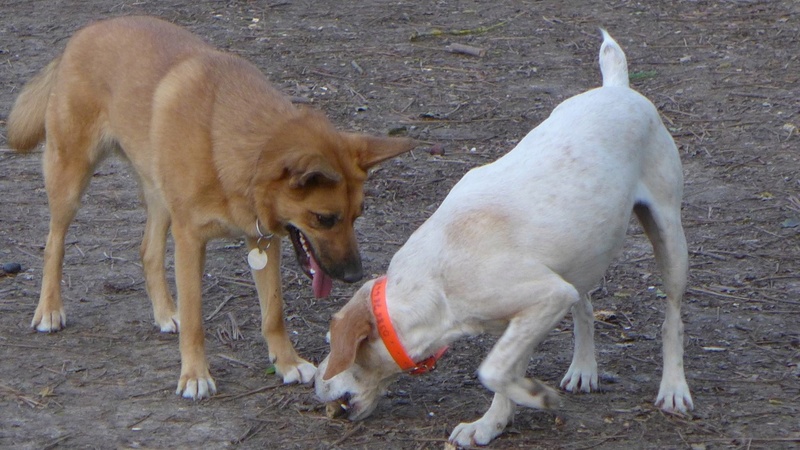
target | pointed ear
[
  {"x": 349, "y": 327},
  {"x": 375, "y": 149},
  {"x": 309, "y": 169}
]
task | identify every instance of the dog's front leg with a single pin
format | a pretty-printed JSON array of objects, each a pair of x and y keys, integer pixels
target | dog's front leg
[
  {"x": 544, "y": 303},
  {"x": 288, "y": 364},
  {"x": 195, "y": 381},
  {"x": 582, "y": 373},
  {"x": 488, "y": 427},
  {"x": 494, "y": 421}
]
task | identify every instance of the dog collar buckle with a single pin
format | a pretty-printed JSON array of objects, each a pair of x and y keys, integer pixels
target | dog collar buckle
[
  {"x": 428, "y": 364},
  {"x": 390, "y": 338}
]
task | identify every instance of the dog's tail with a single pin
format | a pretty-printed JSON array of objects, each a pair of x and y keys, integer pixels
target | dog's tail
[
  {"x": 613, "y": 64},
  {"x": 25, "y": 128}
]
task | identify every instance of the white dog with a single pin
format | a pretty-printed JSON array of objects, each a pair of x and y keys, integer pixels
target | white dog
[{"x": 513, "y": 247}]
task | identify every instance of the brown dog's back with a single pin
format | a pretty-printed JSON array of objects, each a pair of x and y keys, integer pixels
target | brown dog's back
[{"x": 100, "y": 79}]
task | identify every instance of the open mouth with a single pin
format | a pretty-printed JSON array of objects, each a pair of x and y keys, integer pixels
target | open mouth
[{"x": 321, "y": 283}]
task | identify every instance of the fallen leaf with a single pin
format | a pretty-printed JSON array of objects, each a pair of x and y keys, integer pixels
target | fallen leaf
[{"x": 791, "y": 222}]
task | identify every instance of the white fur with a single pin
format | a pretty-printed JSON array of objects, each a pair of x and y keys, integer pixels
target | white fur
[
  {"x": 301, "y": 373},
  {"x": 50, "y": 322},
  {"x": 172, "y": 325},
  {"x": 519, "y": 242},
  {"x": 197, "y": 388}
]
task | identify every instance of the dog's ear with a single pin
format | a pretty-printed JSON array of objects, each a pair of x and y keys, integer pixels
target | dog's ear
[
  {"x": 349, "y": 328},
  {"x": 374, "y": 149},
  {"x": 306, "y": 170}
]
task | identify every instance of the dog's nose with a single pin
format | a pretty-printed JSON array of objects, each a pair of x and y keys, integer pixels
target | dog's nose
[
  {"x": 348, "y": 270},
  {"x": 353, "y": 273}
]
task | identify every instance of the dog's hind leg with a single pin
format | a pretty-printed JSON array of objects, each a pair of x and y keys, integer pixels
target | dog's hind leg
[
  {"x": 152, "y": 252},
  {"x": 288, "y": 364},
  {"x": 494, "y": 421},
  {"x": 544, "y": 303},
  {"x": 662, "y": 224},
  {"x": 68, "y": 162},
  {"x": 582, "y": 373}
]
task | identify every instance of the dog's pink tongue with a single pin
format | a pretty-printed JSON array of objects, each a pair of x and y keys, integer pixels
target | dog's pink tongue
[{"x": 321, "y": 283}]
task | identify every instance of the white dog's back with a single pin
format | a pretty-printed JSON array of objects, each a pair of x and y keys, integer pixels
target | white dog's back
[{"x": 539, "y": 199}]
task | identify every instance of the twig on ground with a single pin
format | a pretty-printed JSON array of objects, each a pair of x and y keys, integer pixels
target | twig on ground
[
  {"x": 347, "y": 435},
  {"x": 466, "y": 50},
  {"x": 219, "y": 307},
  {"x": 253, "y": 392},
  {"x": 56, "y": 442},
  {"x": 460, "y": 32},
  {"x": 236, "y": 361},
  {"x": 252, "y": 431}
]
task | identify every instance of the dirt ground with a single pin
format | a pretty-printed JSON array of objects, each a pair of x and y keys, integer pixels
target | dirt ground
[{"x": 725, "y": 76}]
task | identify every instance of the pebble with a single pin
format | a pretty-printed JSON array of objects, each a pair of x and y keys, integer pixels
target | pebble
[
  {"x": 12, "y": 267},
  {"x": 436, "y": 150}
]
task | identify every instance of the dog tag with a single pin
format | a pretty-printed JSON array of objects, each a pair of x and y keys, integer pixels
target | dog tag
[{"x": 257, "y": 259}]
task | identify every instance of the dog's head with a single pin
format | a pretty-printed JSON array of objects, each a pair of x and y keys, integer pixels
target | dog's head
[
  {"x": 310, "y": 183},
  {"x": 358, "y": 368}
]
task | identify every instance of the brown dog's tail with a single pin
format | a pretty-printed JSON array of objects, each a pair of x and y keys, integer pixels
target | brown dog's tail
[{"x": 25, "y": 128}]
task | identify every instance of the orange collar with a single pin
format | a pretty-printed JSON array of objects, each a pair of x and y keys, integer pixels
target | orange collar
[{"x": 390, "y": 338}]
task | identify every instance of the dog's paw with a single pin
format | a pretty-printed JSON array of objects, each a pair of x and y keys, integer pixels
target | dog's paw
[
  {"x": 301, "y": 372},
  {"x": 49, "y": 321},
  {"x": 533, "y": 394},
  {"x": 581, "y": 378},
  {"x": 171, "y": 325},
  {"x": 674, "y": 398},
  {"x": 480, "y": 432},
  {"x": 196, "y": 388}
]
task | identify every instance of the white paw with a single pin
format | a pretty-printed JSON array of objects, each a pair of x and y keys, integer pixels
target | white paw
[
  {"x": 533, "y": 394},
  {"x": 480, "y": 432},
  {"x": 172, "y": 325},
  {"x": 523, "y": 391},
  {"x": 675, "y": 397},
  {"x": 197, "y": 389},
  {"x": 581, "y": 378},
  {"x": 302, "y": 373},
  {"x": 49, "y": 322}
]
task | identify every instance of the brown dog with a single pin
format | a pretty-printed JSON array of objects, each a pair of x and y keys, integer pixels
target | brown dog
[{"x": 219, "y": 152}]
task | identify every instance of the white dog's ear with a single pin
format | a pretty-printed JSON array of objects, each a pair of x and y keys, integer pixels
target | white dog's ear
[{"x": 349, "y": 328}]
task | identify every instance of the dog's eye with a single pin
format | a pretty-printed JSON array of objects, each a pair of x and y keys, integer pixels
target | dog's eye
[{"x": 327, "y": 220}]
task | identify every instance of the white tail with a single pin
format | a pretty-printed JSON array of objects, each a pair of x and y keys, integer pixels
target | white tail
[{"x": 613, "y": 64}]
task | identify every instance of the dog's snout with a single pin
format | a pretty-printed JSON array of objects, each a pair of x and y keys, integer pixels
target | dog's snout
[
  {"x": 353, "y": 274},
  {"x": 348, "y": 271}
]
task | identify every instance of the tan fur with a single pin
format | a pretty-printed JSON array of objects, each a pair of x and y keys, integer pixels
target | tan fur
[
  {"x": 216, "y": 148},
  {"x": 26, "y": 121},
  {"x": 349, "y": 327}
]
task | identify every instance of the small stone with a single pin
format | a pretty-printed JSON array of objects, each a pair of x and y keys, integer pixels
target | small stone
[
  {"x": 437, "y": 150},
  {"x": 12, "y": 267}
]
